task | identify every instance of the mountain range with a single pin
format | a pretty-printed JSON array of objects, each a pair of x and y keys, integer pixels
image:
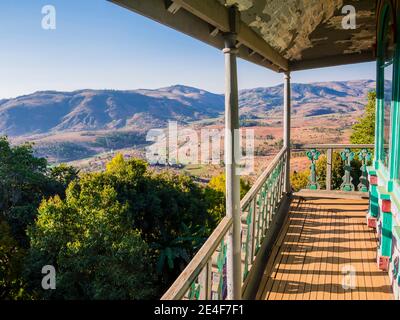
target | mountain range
[{"x": 87, "y": 110}]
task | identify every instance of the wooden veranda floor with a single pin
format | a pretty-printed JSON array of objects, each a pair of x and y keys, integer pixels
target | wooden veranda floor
[{"x": 320, "y": 240}]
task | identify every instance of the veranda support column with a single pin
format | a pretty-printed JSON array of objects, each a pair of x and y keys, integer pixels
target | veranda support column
[
  {"x": 286, "y": 129},
  {"x": 234, "y": 277}
]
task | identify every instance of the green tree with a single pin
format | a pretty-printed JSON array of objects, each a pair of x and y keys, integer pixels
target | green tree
[
  {"x": 24, "y": 181},
  {"x": 12, "y": 285},
  {"x": 337, "y": 171},
  {"x": 364, "y": 129},
  {"x": 299, "y": 180},
  {"x": 23, "y": 184},
  {"x": 215, "y": 196},
  {"x": 218, "y": 183},
  {"x": 164, "y": 217},
  {"x": 62, "y": 175},
  {"x": 95, "y": 250}
]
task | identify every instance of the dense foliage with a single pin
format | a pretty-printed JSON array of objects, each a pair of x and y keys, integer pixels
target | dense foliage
[
  {"x": 24, "y": 181},
  {"x": 364, "y": 130},
  {"x": 337, "y": 171},
  {"x": 299, "y": 180},
  {"x": 125, "y": 233}
]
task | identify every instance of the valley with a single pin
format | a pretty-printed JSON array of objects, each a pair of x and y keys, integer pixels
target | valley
[{"x": 87, "y": 128}]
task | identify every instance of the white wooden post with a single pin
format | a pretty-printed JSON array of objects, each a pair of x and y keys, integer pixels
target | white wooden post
[
  {"x": 286, "y": 129},
  {"x": 232, "y": 152}
]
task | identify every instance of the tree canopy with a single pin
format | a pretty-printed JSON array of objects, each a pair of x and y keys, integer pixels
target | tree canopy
[
  {"x": 125, "y": 233},
  {"x": 364, "y": 130}
]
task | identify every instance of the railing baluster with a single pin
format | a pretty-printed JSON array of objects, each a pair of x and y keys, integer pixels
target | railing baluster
[
  {"x": 259, "y": 214},
  {"x": 253, "y": 238},
  {"x": 347, "y": 156},
  {"x": 203, "y": 283},
  {"x": 313, "y": 156},
  {"x": 222, "y": 271},
  {"x": 329, "y": 157},
  {"x": 364, "y": 156},
  {"x": 194, "y": 292},
  {"x": 268, "y": 205},
  {"x": 265, "y": 211},
  {"x": 283, "y": 176},
  {"x": 248, "y": 243}
]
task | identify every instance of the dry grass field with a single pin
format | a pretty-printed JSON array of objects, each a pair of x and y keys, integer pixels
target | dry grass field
[{"x": 91, "y": 150}]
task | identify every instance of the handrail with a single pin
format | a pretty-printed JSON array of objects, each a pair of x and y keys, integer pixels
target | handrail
[
  {"x": 335, "y": 146},
  {"x": 185, "y": 279},
  {"x": 258, "y": 209}
]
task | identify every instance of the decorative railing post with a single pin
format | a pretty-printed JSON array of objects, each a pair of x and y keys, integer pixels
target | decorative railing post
[
  {"x": 364, "y": 156},
  {"x": 347, "y": 156},
  {"x": 313, "y": 156}
]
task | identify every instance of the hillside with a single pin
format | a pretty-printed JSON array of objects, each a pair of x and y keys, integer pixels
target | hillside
[
  {"x": 86, "y": 110},
  {"x": 91, "y": 110},
  {"x": 309, "y": 99}
]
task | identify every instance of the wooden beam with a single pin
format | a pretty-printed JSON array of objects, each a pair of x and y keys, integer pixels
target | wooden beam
[
  {"x": 252, "y": 53},
  {"x": 208, "y": 10},
  {"x": 214, "y": 32},
  {"x": 218, "y": 15},
  {"x": 174, "y": 7},
  {"x": 331, "y": 61},
  {"x": 252, "y": 40},
  {"x": 190, "y": 24}
]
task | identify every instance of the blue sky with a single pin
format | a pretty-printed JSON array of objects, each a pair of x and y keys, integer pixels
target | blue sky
[{"x": 100, "y": 45}]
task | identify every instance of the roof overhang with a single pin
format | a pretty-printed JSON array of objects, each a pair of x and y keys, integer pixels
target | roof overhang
[{"x": 209, "y": 20}]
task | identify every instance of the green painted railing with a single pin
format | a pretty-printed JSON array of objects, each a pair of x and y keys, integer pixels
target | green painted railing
[
  {"x": 348, "y": 153},
  {"x": 205, "y": 277}
]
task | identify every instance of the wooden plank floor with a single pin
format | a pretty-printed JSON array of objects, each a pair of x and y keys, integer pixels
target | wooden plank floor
[{"x": 325, "y": 252}]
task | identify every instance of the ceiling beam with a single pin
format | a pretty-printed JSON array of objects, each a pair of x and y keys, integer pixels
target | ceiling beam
[
  {"x": 331, "y": 61},
  {"x": 208, "y": 10},
  {"x": 173, "y": 7},
  {"x": 194, "y": 26},
  {"x": 218, "y": 15}
]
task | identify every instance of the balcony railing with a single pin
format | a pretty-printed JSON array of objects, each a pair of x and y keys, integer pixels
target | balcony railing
[
  {"x": 354, "y": 173},
  {"x": 205, "y": 277}
]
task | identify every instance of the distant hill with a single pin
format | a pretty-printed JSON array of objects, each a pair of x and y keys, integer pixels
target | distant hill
[
  {"x": 86, "y": 110},
  {"x": 309, "y": 99},
  {"x": 50, "y": 111}
]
